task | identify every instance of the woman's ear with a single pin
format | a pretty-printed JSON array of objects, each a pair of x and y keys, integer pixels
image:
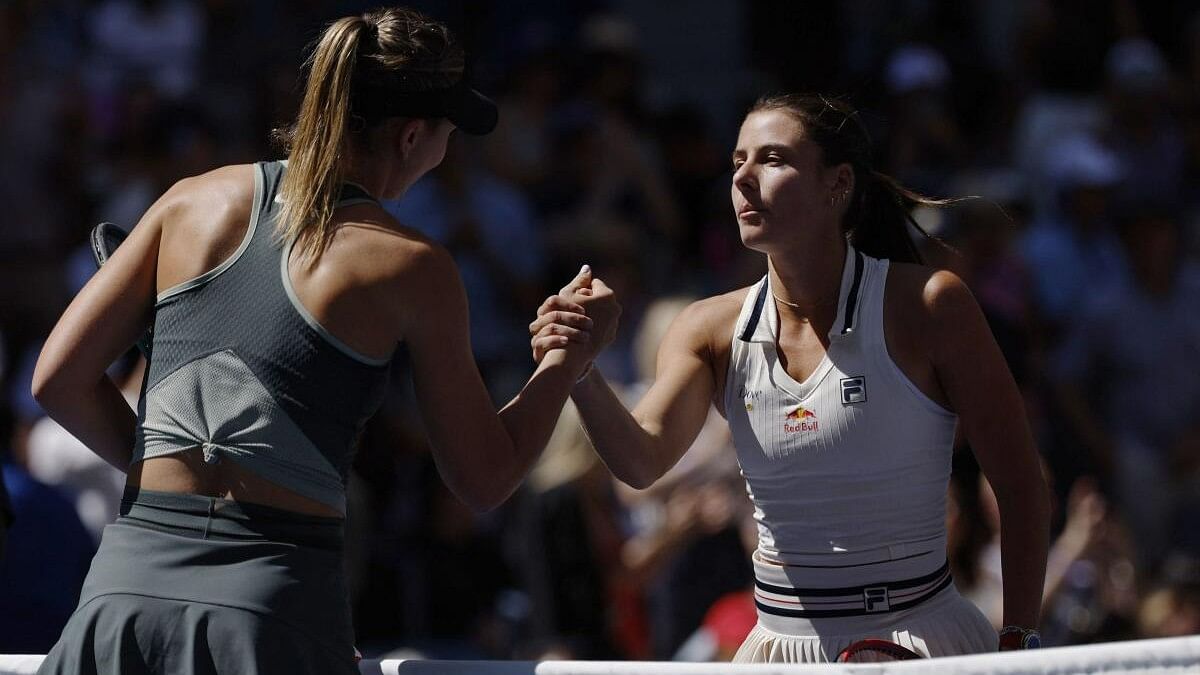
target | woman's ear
[
  {"x": 841, "y": 185},
  {"x": 408, "y": 132}
]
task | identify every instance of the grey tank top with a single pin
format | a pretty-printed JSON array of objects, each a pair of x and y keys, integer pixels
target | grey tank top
[{"x": 242, "y": 370}]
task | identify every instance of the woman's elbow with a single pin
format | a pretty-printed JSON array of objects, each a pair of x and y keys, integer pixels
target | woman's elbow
[
  {"x": 481, "y": 495},
  {"x": 48, "y": 387},
  {"x": 638, "y": 478},
  {"x": 484, "y": 500}
]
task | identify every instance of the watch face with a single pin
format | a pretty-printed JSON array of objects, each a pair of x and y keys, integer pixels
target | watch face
[{"x": 1032, "y": 641}]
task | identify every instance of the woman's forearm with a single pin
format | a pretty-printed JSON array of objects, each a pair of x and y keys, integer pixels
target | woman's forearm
[
  {"x": 628, "y": 450},
  {"x": 527, "y": 425},
  {"x": 1024, "y": 542},
  {"x": 99, "y": 417}
]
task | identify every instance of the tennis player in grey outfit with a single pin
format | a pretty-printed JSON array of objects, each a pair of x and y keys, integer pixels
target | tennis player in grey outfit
[{"x": 278, "y": 292}]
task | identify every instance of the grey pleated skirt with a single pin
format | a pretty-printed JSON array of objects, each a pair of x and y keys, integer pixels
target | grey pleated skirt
[{"x": 197, "y": 586}]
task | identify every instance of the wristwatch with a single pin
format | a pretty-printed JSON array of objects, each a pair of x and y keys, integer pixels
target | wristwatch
[{"x": 1015, "y": 637}]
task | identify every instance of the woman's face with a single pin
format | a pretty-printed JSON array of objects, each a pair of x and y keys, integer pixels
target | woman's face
[{"x": 781, "y": 188}]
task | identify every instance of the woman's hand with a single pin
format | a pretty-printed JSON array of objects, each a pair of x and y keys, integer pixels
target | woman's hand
[
  {"x": 559, "y": 322},
  {"x": 584, "y": 312}
]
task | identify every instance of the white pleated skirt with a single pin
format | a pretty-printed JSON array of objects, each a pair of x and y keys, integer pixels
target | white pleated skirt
[{"x": 944, "y": 625}]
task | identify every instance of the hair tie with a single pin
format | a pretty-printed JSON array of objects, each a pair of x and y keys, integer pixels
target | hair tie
[{"x": 371, "y": 28}]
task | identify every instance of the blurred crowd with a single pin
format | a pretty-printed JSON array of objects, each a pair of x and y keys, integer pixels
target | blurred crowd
[{"x": 1075, "y": 124}]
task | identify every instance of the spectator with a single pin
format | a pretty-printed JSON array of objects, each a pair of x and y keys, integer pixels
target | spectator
[
  {"x": 43, "y": 587},
  {"x": 1123, "y": 386},
  {"x": 519, "y": 149},
  {"x": 926, "y": 144},
  {"x": 152, "y": 41},
  {"x": 1145, "y": 138},
  {"x": 1075, "y": 249}
]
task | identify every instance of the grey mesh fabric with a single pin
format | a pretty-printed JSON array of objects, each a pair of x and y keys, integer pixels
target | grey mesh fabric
[{"x": 241, "y": 369}]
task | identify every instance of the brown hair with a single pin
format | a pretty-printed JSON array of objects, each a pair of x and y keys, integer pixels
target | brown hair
[
  {"x": 393, "y": 50},
  {"x": 880, "y": 211}
]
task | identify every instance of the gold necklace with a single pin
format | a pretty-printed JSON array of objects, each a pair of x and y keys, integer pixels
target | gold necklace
[
  {"x": 793, "y": 305},
  {"x": 802, "y": 319},
  {"x": 789, "y": 304},
  {"x": 797, "y": 306}
]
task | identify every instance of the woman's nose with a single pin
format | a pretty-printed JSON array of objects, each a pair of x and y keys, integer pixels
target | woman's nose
[{"x": 743, "y": 178}]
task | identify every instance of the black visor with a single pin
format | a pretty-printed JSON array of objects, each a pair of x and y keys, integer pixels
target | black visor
[{"x": 468, "y": 109}]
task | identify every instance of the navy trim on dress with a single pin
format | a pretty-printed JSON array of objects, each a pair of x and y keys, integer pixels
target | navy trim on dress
[
  {"x": 855, "y": 590},
  {"x": 832, "y": 613},
  {"x": 852, "y": 297},
  {"x": 752, "y": 324}
]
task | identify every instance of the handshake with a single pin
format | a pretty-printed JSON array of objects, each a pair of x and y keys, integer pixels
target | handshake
[{"x": 581, "y": 316}]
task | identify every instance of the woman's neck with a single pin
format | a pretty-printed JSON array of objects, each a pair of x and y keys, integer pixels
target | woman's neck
[
  {"x": 371, "y": 181},
  {"x": 807, "y": 282},
  {"x": 377, "y": 174}
]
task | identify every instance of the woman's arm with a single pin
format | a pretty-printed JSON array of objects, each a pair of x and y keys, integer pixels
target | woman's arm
[
  {"x": 639, "y": 447},
  {"x": 980, "y": 388},
  {"x": 101, "y": 323},
  {"x": 482, "y": 454}
]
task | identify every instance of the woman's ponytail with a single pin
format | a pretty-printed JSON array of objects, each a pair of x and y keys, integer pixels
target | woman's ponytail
[
  {"x": 877, "y": 222},
  {"x": 312, "y": 183}
]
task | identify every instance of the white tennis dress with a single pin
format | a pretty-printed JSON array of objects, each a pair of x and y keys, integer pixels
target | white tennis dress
[{"x": 848, "y": 474}]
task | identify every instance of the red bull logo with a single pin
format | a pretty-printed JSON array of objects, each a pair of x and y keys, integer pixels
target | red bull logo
[{"x": 800, "y": 420}]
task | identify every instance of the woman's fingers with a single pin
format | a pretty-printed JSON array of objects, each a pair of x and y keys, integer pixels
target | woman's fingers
[
  {"x": 559, "y": 330},
  {"x": 541, "y": 345},
  {"x": 582, "y": 280},
  {"x": 562, "y": 321},
  {"x": 555, "y": 336},
  {"x": 561, "y": 304},
  {"x": 579, "y": 322}
]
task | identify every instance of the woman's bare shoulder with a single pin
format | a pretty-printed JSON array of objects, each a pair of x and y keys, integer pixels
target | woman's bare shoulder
[
  {"x": 403, "y": 274},
  {"x": 211, "y": 206},
  {"x": 710, "y": 321},
  {"x": 927, "y": 291},
  {"x": 926, "y": 309},
  {"x": 373, "y": 239},
  {"x": 225, "y": 185}
]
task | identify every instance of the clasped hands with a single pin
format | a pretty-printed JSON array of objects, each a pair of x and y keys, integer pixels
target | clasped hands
[{"x": 581, "y": 316}]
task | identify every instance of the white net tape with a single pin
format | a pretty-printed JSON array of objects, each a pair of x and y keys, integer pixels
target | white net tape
[{"x": 1173, "y": 655}]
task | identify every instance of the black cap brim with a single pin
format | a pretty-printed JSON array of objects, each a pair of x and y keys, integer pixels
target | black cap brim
[
  {"x": 472, "y": 112},
  {"x": 468, "y": 109}
]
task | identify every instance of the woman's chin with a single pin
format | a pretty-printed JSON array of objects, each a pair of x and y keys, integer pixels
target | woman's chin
[{"x": 753, "y": 237}]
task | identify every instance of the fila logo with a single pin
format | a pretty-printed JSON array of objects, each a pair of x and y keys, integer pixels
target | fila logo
[
  {"x": 875, "y": 599},
  {"x": 854, "y": 390}
]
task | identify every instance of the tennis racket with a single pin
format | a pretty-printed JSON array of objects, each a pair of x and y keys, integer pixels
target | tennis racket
[
  {"x": 874, "y": 650},
  {"x": 105, "y": 238}
]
